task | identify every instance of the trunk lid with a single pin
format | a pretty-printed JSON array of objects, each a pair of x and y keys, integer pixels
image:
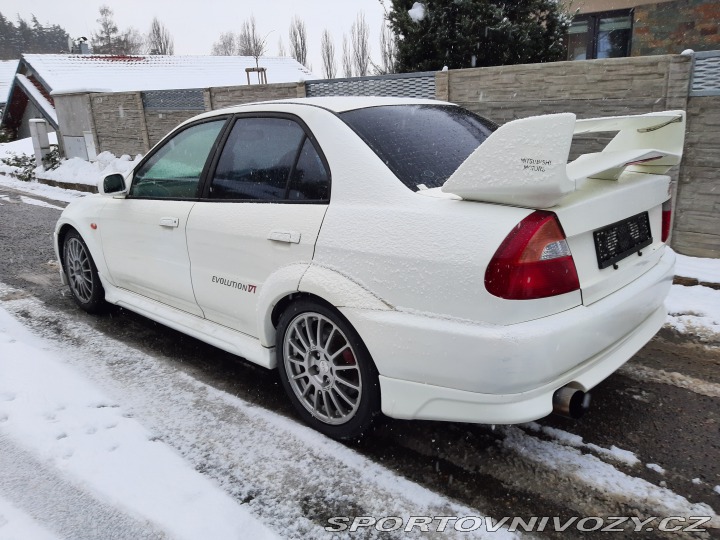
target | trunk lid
[{"x": 609, "y": 203}]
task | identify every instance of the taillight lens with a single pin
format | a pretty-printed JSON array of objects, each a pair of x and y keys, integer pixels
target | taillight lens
[
  {"x": 666, "y": 219},
  {"x": 534, "y": 261}
]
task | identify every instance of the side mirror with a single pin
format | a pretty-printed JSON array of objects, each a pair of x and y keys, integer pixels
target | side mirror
[{"x": 112, "y": 184}]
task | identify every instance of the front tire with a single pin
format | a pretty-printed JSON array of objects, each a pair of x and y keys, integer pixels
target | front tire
[
  {"x": 82, "y": 274},
  {"x": 326, "y": 370}
]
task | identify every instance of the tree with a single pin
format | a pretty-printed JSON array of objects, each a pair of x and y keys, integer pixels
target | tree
[
  {"x": 470, "y": 33},
  {"x": 225, "y": 45},
  {"x": 131, "y": 42},
  {"x": 249, "y": 41},
  {"x": 298, "y": 40},
  {"x": 281, "y": 47},
  {"x": 388, "y": 52},
  {"x": 33, "y": 37},
  {"x": 327, "y": 51},
  {"x": 159, "y": 40},
  {"x": 105, "y": 41},
  {"x": 360, "y": 35},
  {"x": 347, "y": 58},
  {"x": 109, "y": 39}
]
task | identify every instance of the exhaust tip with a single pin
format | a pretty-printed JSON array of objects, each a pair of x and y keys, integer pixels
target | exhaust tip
[{"x": 570, "y": 402}]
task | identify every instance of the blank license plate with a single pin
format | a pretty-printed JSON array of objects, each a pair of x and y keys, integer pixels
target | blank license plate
[{"x": 619, "y": 240}]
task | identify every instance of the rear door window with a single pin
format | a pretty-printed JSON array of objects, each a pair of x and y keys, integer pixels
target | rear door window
[{"x": 269, "y": 159}]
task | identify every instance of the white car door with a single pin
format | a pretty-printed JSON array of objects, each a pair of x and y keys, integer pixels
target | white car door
[
  {"x": 262, "y": 210},
  {"x": 143, "y": 235}
]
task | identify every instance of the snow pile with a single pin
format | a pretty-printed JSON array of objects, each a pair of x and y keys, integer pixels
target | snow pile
[
  {"x": 694, "y": 310},
  {"x": 79, "y": 171},
  {"x": 417, "y": 12},
  {"x": 707, "y": 270},
  {"x": 58, "y": 415},
  {"x": 73, "y": 170}
]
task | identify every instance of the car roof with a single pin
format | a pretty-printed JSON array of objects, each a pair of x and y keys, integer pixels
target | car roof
[{"x": 340, "y": 104}]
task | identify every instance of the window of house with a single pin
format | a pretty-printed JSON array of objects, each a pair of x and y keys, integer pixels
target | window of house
[{"x": 600, "y": 35}]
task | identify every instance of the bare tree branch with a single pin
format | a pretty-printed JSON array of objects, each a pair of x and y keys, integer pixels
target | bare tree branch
[
  {"x": 388, "y": 51},
  {"x": 249, "y": 42},
  {"x": 327, "y": 50},
  {"x": 347, "y": 58},
  {"x": 298, "y": 40},
  {"x": 359, "y": 35},
  {"x": 159, "y": 40},
  {"x": 225, "y": 45}
]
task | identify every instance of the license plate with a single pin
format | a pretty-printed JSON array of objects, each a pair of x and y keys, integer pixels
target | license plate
[{"x": 619, "y": 240}]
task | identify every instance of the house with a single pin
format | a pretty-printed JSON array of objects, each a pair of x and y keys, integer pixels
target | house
[
  {"x": 7, "y": 73},
  {"x": 56, "y": 87},
  {"x": 616, "y": 28}
]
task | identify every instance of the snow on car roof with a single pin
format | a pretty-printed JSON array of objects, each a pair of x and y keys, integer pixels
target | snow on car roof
[
  {"x": 340, "y": 104},
  {"x": 67, "y": 73}
]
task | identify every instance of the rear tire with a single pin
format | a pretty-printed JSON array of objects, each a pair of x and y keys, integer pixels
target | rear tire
[
  {"x": 82, "y": 274},
  {"x": 327, "y": 371}
]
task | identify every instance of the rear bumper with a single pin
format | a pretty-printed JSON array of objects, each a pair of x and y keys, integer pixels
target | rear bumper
[{"x": 438, "y": 369}]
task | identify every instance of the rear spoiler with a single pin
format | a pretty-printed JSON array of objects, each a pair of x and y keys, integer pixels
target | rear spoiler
[{"x": 525, "y": 162}]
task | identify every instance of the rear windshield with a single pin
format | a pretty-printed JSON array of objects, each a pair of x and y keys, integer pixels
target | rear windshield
[{"x": 422, "y": 144}]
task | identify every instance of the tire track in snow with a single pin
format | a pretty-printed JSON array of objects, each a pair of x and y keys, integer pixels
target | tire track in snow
[{"x": 289, "y": 476}]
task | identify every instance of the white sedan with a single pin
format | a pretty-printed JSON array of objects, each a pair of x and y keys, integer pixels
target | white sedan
[{"x": 395, "y": 255}]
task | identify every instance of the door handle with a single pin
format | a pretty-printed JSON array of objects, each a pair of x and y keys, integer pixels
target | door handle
[
  {"x": 169, "y": 222},
  {"x": 290, "y": 237}
]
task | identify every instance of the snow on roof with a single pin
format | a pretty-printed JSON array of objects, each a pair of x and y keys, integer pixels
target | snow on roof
[
  {"x": 348, "y": 103},
  {"x": 35, "y": 94},
  {"x": 65, "y": 73},
  {"x": 7, "y": 72}
]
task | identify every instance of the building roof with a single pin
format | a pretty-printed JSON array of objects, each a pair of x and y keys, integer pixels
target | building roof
[
  {"x": 66, "y": 73},
  {"x": 7, "y": 72}
]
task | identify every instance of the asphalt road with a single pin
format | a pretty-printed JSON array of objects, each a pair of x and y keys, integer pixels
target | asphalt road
[{"x": 672, "y": 421}]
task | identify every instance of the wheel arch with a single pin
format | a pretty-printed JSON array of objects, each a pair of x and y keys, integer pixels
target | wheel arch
[{"x": 309, "y": 281}]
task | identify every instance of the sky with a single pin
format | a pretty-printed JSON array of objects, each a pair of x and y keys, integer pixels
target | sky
[{"x": 195, "y": 26}]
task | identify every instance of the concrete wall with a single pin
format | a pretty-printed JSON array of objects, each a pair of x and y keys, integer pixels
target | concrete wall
[
  {"x": 697, "y": 222},
  {"x": 75, "y": 118},
  {"x": 218, "y": 98},
  {"x": 119, "y": 121}
]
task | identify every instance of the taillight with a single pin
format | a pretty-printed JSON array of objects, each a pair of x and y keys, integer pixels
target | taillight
[
  {"x": 666, "y": 219},
  {"x": 534, "y": 261}
]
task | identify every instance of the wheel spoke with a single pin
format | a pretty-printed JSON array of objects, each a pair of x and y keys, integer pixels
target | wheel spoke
[
  {"x": 339, "y": 409},
  {"x": 337, "y": 353},
  {"x": 348, "y": 384}
]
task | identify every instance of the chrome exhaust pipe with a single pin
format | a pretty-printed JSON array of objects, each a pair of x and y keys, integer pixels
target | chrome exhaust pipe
[{"x": 570, "y": 402}]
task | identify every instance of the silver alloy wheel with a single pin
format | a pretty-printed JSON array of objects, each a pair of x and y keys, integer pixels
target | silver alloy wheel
[
  {"x": 79, "y": 269},
  {"x": 322, "y": 368}
]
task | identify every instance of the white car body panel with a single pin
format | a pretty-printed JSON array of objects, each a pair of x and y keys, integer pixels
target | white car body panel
[
  {"x": 232, "y": 254},
  {"x": 146, "y": 250},
  {"x": 405, "y": 268}
]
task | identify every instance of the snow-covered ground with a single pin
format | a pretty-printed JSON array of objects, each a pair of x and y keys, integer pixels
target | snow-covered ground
[
  {"x": 126, "y": 433},
  {"x": 695, "y": 309}
]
